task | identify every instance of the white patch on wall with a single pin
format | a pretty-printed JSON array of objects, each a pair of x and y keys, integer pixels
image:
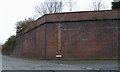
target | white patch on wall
[{"x": 58, "y": 56}]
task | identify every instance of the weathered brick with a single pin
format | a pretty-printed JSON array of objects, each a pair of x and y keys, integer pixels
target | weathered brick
[{"x": 77, "y": 35}]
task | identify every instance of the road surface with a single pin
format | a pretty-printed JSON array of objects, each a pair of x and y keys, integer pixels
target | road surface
[
  {"x": 104, "y": 65},
  {"x": 11, "y": 63}
]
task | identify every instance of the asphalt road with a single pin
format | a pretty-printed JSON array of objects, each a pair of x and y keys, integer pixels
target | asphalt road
[
  {"x": 11, "y": 63},
  {"x": 104, "y": 65}
]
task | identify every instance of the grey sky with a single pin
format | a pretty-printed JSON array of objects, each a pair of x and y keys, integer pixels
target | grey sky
[{"x": 12, "y": 11}]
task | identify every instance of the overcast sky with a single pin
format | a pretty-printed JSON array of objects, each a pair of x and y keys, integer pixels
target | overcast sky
[{"x": 12, "y": 11}]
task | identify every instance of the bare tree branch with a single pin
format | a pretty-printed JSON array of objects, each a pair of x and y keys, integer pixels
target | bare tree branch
[
  {"x": 49, "y": 7},
  {"x": 70, "y": 5},
  {"x": 41, "y": 9},
  {"x": 98, "y": 5}
]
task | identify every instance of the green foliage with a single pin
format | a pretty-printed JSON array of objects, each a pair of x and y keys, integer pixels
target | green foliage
[
  {"x": 9, "y": 44},
  {"x": 116, "y": 5},
  {"x": 22, "y": 24}
]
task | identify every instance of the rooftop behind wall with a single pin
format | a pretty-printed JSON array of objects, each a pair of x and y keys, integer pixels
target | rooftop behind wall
[{"x": 72, "y": 16}]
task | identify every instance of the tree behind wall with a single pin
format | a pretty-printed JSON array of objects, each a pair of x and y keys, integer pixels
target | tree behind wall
[
  {"x": 97, "y": 5},
  {"x": 116, "y": 5},
  {"x": 49, "y": 7},
  {"x": 22, "y": 24},
  {"x": 9, "y": 45},
  {"x": 70, "y": 4}
]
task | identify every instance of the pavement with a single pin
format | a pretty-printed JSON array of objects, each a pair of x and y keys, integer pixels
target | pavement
[
  {"x": 103, "y": 65},
  {"x": 11, "y": 63}
]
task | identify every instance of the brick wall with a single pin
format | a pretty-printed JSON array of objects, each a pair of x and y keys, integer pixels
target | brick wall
[
  {"x": 92, "y": 39},
  {"x": 72, "y": 36}
]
